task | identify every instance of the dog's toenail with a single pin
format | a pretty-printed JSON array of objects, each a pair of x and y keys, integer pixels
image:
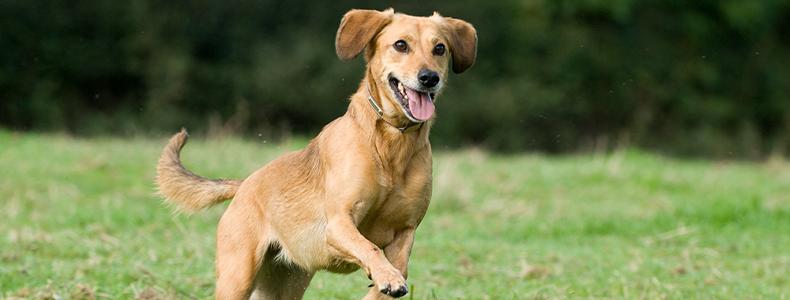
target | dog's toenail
[{"x": 403, "y": 290}]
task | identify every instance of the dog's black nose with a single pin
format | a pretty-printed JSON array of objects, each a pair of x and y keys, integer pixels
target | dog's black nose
[{"x": 428, "y": 78}]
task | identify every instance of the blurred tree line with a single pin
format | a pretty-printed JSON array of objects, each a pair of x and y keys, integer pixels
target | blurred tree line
[{"x": 685, "y": 77}]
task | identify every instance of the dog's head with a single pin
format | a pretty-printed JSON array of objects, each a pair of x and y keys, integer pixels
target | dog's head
[{"x": 410, "y": 56}]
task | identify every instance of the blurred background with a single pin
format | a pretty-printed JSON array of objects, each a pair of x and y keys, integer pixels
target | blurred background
[
  {"x": 679, "y": 109},
  {"x": 688, "y": 78}
]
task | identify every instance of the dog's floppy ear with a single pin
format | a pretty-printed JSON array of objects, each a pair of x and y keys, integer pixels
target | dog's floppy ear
[
  {"x": 463, "y": 43},
  {"x": 357, "y": 29}
]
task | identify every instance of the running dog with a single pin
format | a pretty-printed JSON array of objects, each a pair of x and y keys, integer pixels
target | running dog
[{"x": 355, "y": 195}]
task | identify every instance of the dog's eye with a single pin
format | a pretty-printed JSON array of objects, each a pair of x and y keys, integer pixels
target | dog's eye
[
  {"x": 438, "y": 50},
  {"x": 401, "y": 46}
]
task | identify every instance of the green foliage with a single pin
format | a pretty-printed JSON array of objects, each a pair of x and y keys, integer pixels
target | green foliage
[
  {"x": 80, "y": 217},
  {"x": 687, "y": 77}
]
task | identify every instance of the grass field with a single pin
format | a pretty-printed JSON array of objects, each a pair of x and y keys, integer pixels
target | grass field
[{"x": 79, "y": 220}]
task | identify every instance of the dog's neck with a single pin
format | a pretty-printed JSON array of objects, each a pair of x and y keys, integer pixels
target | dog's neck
[{"x": 388, "y": 141}]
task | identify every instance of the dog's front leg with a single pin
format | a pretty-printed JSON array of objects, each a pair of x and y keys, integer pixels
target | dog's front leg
[
  {"x": 344, "y": 238},
  {"x": 397, "y": 252}
]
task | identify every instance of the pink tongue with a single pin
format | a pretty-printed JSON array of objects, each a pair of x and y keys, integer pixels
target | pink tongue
[{"x": 420, "y": 104}]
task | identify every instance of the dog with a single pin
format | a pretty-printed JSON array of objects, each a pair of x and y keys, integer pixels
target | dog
[{"x": 354, "y": 196}]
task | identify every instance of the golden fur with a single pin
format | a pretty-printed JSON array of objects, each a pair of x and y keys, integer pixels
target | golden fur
[
  {"x": 185, "y": 190},
  {"x": 354, "y": 196}
]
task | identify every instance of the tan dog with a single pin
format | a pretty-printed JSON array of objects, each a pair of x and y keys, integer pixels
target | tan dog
[{"x": 355, "y": 195}]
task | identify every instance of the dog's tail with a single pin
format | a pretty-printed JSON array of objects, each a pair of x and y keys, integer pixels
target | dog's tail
[{"x": 183, "y": 189}]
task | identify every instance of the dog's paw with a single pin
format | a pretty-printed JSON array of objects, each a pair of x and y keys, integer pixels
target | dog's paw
[
  {"x": 390, "y": 282},
  {"x": 395, "y": 293}
]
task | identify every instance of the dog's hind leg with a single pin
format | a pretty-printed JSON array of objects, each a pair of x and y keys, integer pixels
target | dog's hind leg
[
  {"x": 240, "y": 249},
  {"x": 280, "y": 280}
]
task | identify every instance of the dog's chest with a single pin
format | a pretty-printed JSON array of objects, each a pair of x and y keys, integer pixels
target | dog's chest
[{"x": 396, "y": 207}]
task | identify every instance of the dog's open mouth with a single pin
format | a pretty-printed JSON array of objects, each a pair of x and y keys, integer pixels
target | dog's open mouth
[{"x": 418, "y": 105}]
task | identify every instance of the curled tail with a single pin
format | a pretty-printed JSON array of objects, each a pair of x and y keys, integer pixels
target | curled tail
[{"x": 183, "y": 189}]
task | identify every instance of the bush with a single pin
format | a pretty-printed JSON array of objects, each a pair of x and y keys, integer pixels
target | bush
[{"x": 694, "y": 78}]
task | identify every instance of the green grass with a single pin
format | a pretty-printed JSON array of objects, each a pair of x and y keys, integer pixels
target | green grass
[{"x": 79, "y": 219}]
